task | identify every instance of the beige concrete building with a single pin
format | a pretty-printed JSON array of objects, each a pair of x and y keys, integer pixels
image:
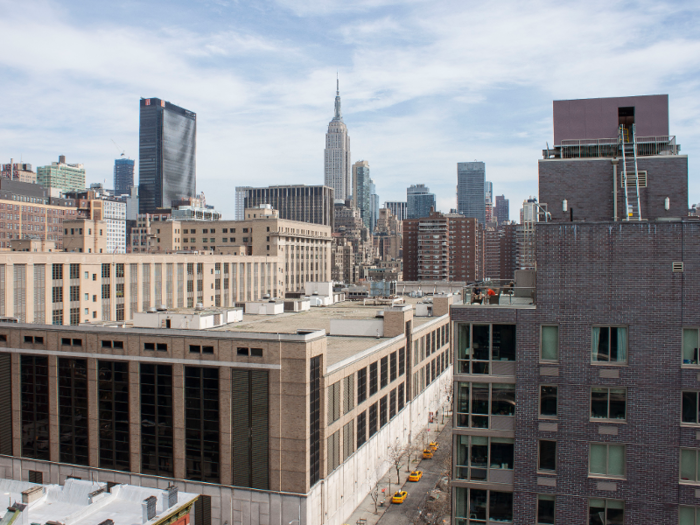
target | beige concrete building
[
  {"x": 274, "y": 419},
  {"x": 75, "y": 288},
  {"x": 303, "y": 249}
]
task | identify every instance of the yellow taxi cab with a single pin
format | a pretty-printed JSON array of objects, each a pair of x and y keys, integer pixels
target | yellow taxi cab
[
  {"x": 415, "y": 475},
  {"x": 399, "y": 496},
  {"x": 433, "y": 446},
  {"x": 427, "y": 454}
]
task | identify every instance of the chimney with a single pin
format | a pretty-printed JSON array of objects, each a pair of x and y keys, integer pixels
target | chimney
[
  {"x": 172, "y": 495},
  {"x": 62, "y": 159},
  {"x": 148, "y": 507}
]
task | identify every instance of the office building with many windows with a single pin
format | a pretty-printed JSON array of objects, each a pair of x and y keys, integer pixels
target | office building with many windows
[
  {"x": 277, "y": 415},
  {"x": 565, "y": 409},
  {"x": 295, "y": 202},
  {"x": 167, "y": 154},
  {"x": 419, "y": 201},
  {"x": 62, "y": 176},
  {"x": 471, "y": 190},
  {"x": 123, "y": 176}
]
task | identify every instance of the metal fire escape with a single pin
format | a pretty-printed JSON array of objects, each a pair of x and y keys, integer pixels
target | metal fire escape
[{"x": 628, "y": 145}]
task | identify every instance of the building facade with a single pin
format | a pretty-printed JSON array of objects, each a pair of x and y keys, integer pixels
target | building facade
[
  {"x": 361, "y": 191},
  {"x": 74, "y": 288},
  {"x": 262, "y": 420},
  {"x": 61, "y": 176},
  {"x": 123, "y": 176},
  {"x": 399, "y": 209},
  {"x": 419, "y": 201},
  {"x": 294, "y": 202},
  {"x": 167, "y": 154},
  {"x": 577, "y": 400},
  {"x": 443, "y": 247},
  {"x": 21, "y": 172},
  {"x": 502, "y": 211},
  {"x": 471, "y": 190},
  {"x": 337, "y": 165}
]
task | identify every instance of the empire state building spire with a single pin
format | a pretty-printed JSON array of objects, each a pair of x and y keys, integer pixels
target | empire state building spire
[
  {"x": 338, "y": 114},
  {"x": 337, "y": 166}
]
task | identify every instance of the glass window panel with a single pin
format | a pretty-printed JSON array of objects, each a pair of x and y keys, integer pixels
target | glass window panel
[
  {"x": 548, "y": 455},
  {"x": 548, "y": 401},
  {"x": 479, "y": 452},
  {"x": 503, "y": 400},
  {"x": 598, "y": 459},
  {"x": 620, "y": 348},
  {"x": 550, "y": 343},
  {"x": 616, "y": 513},
  {"x": 480, "y": 343},
  {"x": 462, "y": 450},
  {"x": 502, "y": 453},
  {"x": 501, "y": 506},
  {"x": 545, "y": 509},
  {"x": 503, "y": 343},
  {"x": 616, "y": 460},
  {"x": 463, "y": 405},
  {"x": 599, "y": 403},
  {"x": 690, "y": 407},
  {"x": 618, "y": 403},
  {"x": 687, "y": 516},
  {"x": 596, "y": 512},
  {"x": 463, "y": 342},
  {"x": 688, "y": 465},
  {"x": 480, "y": 398},
  {"x": 690, "y": 347},
  {"x": 477, "y": 504},
  {"x": 461, "y": 505}
]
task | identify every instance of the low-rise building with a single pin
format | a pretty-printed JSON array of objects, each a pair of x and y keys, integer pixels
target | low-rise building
[{"x": 62, "y": 176}]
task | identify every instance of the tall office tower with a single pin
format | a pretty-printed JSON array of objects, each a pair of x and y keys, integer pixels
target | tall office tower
[
  {"x": 442, "y": 247},
  {"x": 470, "y": 190},
  {"x": 62, "y": 176},
  {"x": 502, "y": 212},
  {"x": 590, "y": 379},
  {"x": 337, "y": 154},
  {"x": 419, "y": 200},
  {"x": 373, "y": 206},
  {"x": 300, "y": 203},
  {"x": 488, "y": 191},
  {"x": 167, "y": 154},
  {"x": 361, "y": 190},
  {"x": 239, "y": 202},
  {"x": 398, "y": 209},
  {"x": 123, "y": 176}
]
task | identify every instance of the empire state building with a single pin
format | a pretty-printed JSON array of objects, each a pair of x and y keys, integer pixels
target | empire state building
[{"x": 338, "y": 168}]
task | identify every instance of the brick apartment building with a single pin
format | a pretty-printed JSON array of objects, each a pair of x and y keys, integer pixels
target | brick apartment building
[
  {"x": 443, "y": 247},
  {"x": 272, "y": 419},
  {"x": 500, "y": 252},
  {"x": 583, "y": 408}
]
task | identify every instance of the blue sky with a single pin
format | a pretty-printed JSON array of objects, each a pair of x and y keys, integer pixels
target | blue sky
[{"x": 424, "y": 84}]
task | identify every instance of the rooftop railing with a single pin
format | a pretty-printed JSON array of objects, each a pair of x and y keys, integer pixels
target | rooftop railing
[{"x": 610, "y": 147}]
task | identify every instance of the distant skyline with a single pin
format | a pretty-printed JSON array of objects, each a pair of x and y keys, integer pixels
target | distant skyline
[{"x": 425, "y": 85}]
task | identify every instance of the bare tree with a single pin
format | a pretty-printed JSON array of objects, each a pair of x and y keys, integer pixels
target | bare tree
[
  {"x": 374, "y": 494},
  {"x": 415, "y": 447},
  {"x": 397, "y": 454},
  {"x": 448, "y": 391}
]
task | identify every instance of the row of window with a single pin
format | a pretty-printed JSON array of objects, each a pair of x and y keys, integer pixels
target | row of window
[
  {"x": 477, "y": 506},
  {"x": 606, "y": 403}
]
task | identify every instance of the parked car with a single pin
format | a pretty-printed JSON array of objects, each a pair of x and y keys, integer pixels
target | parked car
[{"x": 427, "y": 454}]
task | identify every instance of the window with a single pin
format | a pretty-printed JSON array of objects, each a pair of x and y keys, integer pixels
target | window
[
  {"x": 608, "y": 403},
  {"x": 348, "y": 393},
  {"x": 106, "y": 344},
  {"x": 477, "y": 454},
  {"x": 149, "y": 346},
  {"x": 373, "y": 385},
  {"x": 481, "y": 345},
  {"x": 402, "y": 361},
  {"x": 689, "y": 465},
  {"x": 384, "y": 371},
  {"x": 690, "y": 346},
  {"x": 210, "y": 350},
  {"x": 548, "y": 401},
  {"x": 689, "y": 412},
  {"x": 195, "y": 349},
  {"x": 549, "y": 343},
  {"x": 162, "y": 347},
  {"x": 373, "y": 419},
  {"x": 334, "y": 402},
  {"x": 476, "y": 402},
  {"x": 687, "y": 515},
  {"x": 383, "y": 405},
  {"x": 36, "y": 476},
  {"x": 392, "y": 366},
  {"x": 545, "y": 509},
  {"x": 361, "y": 386},
  {"x": 361, "y": 429},
  {"x": 547, "y": 456},
  {"x": 478, "y": 506},
  {"x": 607, "y": 460},
  {"x": 609, "y": 344},
  {"x": 606, "y": 512}
]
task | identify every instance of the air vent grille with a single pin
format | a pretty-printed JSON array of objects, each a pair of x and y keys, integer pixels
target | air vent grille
[{"x": 677, "y": 267}]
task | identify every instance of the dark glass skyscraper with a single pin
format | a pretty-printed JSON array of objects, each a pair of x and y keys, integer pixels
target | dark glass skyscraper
[
  {"x": 123, "y": 176},
  {"x": 470, "y": 190},
  {"x": 167, "y": 150}
]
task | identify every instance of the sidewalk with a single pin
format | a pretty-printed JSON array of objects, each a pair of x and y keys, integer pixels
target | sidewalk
[{"x": 388, "y": 482}]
